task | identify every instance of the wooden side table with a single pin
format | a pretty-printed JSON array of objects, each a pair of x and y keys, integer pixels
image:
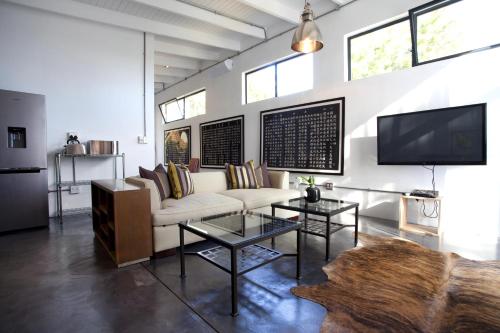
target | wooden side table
[
  {"x": 121, "y": 218},
  {"x": 417, "y": 228}
]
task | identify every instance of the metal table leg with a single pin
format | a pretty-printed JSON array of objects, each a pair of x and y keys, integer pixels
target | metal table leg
[
  {"x": 273, "y": 240},
  {"x": 234, "y": 283},
  {"x": 299, "y": 255},
  {"x": 327, "y": 255},
  {"x": 356, "y": 215},
  {"x": 183, "y": 263}
]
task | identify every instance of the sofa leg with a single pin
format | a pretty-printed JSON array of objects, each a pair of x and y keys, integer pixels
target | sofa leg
[{"x": 165, "y": 253}]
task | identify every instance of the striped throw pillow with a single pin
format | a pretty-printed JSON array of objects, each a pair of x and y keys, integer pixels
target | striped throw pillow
[
  {"x": 159, "y": 176},
  {"x": 180, "y": 181},
  {"x": 240, "y": 177}
]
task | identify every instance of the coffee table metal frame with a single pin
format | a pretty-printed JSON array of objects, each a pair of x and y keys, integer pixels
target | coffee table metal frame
[
  {"x": 319, "y": 227},
  {"x": 213, "y": 255}
]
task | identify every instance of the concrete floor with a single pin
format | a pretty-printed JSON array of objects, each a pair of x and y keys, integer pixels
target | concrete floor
[{"x": 61, "y": 280}]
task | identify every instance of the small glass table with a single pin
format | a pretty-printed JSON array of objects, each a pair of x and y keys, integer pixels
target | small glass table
[
  {"x": 326, "y": 208},
  {"x": 237, "y": 236}
]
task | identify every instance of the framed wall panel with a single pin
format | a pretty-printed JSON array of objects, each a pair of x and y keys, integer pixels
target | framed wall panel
[
  {"x": 222, "y": 141},
  {"x": 177, "y": 145},
  {"x": 305, "y": 138}
]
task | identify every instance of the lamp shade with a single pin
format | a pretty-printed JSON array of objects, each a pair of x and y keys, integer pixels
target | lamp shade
[{"x": 307, "y": 37}]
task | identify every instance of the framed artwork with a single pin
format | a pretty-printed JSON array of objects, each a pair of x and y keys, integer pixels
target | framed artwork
[
  {"x": 177, "y": 143},
  {"x": 221, "y": 142},
  {"x": 305, "y": 138}
]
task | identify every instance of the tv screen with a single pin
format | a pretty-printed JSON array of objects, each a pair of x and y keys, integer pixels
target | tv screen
[{"x": 450, "y": 136}]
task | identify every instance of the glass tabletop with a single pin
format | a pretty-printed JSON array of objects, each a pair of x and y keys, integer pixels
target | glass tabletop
[
  {"x": 239, "y": 227},
  {"x": 322, "y": 207}
]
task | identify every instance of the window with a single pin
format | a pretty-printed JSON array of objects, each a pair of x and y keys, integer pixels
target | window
[
  {"x": 380, "y": 50},
  {"x": 435, "y": 31},
  {"x": 449, "y": 28},
  {"x": 195, "y": 104},
  {"x": 280, "y": 78},
  {"x": 185, "y": 107}
]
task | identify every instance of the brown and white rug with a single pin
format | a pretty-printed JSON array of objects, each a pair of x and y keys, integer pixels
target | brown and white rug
[{"x": 393, "y": 285}]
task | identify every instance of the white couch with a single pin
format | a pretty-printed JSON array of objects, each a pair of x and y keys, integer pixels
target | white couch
[{"x": 210, "y": 197}]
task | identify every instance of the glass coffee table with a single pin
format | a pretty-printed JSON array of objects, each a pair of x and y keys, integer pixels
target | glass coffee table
[
  {"x": 237, "y": 236},
  {"x": 326, "y": 208}
]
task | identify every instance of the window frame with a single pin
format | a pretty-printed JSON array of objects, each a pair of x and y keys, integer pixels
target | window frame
[
  {"x": 428, "y": 8},
  {"x": 412, "y": 18},
  {"x": 275, "y": 64},
  {"x": 374, "y": 29},
  {"x": 183, "y": 98}
]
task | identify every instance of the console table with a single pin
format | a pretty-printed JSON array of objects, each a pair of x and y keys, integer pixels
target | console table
[{"x": 418, "y": 228}]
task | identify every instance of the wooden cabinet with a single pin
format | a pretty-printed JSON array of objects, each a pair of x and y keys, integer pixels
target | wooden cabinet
[
  {"x": 414, "y": 227},
  {"x": 121, "y": 218}
]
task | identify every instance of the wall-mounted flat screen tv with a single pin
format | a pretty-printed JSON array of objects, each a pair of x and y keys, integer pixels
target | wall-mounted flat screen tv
[{"x": 450, "y": 136}]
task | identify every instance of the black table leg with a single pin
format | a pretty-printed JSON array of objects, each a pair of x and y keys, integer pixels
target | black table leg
[
  {"x": 299, "y": 254},
  {"x": 181, "y": 239},
  {"x": 356, "y": 226},
  {"x": 327, "y": 255},
  {"x": 234, "y": 284},
  {"x": 273, "y": 240}
]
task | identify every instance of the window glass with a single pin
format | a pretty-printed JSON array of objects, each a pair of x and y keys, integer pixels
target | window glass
[
  {"x": 174, "y": 110},
  {"x": 261, "y": 84},
  {"x": 381, "y": 51},
  {"x": 295, "y": 75},
  {"x": 456, "y": 28},
  {"x": 195, "y": 104}
]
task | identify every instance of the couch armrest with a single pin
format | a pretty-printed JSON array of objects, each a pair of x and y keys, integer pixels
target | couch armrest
[
  {"x": 153, "y": 190},
  {"x": 280, "y": 179}
]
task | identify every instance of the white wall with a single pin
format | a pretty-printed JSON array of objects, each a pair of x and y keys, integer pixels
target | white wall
[
  {"x": 471, "y": 194},
  {"x": 92, "y": 77}
]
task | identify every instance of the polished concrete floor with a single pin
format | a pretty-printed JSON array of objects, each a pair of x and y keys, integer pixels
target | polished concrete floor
[{"x": 60, "y": 280}]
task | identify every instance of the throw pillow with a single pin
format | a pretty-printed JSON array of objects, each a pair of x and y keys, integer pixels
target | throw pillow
[
  {"x": 158, "y": 177},
  {"x": 180, "y": 179},
  {"x": 262, "y": 174},
  {"x": 241, "y": 177}
]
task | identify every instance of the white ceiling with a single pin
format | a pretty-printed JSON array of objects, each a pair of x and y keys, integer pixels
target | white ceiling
[{"x": 191, "y": 35}]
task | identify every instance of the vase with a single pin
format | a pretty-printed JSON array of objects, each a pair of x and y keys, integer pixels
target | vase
[{"x": 313, "y": 194}]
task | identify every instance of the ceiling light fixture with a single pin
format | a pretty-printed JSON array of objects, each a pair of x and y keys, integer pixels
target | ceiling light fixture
[{"x": 307, "y": 37}]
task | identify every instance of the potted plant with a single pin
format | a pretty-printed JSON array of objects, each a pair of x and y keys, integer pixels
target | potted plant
[{"x": 313, "y": 193}]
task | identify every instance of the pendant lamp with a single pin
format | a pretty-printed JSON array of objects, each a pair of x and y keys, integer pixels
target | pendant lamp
[{"x": 307, "y": 37}]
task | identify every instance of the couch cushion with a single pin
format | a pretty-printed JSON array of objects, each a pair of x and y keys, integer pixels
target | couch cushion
[
  {"x": 194, "y": 206},
  {"x": 180, "y": 180},
  {"x": 255, "y": 198}
]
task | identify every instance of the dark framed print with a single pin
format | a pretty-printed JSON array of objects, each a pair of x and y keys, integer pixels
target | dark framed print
[
  {"x": 178, "y": 145},
  {"x": 221, "y": 142},
  {"x": 306, "y": 138}
]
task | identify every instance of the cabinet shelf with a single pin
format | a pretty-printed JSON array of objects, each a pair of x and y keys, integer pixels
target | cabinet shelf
[{"x": 121, "y": 219}]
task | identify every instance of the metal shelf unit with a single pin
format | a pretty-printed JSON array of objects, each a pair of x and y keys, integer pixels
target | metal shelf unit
[{"x": 62, "y": 186}]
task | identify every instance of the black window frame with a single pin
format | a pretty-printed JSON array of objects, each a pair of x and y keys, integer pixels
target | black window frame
[
  {"x": 412, "y": 17},
  {"x": 275, "y": 64},
  {"x": 377, "y": 28},
  {"x": 427, "y": 8},
  {"x": 183, "y": 98}
]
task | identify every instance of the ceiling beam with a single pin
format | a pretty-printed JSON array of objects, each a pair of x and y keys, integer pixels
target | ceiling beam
[
  {"x": 169, "y": 60},
  {"x": 171, "y": 71},
  {"x": 185, "y": 51},
  {"x": 275, "y": 8},
  {"x": 165, "y": 79},
  {"x": 106, "y": 16},
  {"x": 340, "y": 2},
  {"x": 206, "y": 16}
]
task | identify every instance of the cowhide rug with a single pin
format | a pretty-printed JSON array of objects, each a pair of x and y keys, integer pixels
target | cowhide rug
[{"x": 393, "y": 285}]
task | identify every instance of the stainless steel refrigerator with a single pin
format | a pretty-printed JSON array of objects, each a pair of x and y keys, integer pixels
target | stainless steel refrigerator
[{"x": 23, "y": 161}]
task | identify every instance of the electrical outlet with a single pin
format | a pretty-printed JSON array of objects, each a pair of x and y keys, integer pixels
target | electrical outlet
[
  {"x": 142, "y": 140},
  {"x": 74, "y": 189}
]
